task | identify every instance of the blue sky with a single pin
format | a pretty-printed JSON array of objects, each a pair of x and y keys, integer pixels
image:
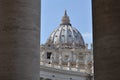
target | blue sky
[{"x": 79, "y": 12}]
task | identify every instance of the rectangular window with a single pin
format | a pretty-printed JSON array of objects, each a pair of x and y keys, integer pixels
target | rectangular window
[{"x": 48, "y": 55}]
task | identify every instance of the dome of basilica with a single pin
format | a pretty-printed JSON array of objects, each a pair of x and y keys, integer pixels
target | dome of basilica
[{"x": 66, "y": 35}]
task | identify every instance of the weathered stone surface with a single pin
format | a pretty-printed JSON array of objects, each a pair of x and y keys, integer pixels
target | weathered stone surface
[
  {"x": 19, "y": 39},
  {"x": 106, "y": 36}
]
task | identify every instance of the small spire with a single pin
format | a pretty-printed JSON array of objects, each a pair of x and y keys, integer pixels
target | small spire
[
  {"x": 65, "y": 13},
  {"x": 65, "y": 19}
]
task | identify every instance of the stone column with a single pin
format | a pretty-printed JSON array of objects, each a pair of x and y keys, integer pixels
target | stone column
[
  {"x": 42, "y": 59},
  {"x": 72, "y": 60},
  {"x": 19, "y": 39},
  {"x": 52, "y": 60},
  {"x": 60, "y": 61},
  {"x": 77, "y": 65},
  {"x": 106, "y": 39},
  {"x": 69, "y": 64},
  {"x": 86, "y": 61}
]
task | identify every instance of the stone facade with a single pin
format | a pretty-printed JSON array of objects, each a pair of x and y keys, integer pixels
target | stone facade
[{"x": 65, "y": 55}]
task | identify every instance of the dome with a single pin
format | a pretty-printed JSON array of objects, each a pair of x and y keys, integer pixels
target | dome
[{"x": 66, "y": 35}]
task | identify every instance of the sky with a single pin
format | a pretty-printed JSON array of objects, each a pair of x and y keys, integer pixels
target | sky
[{"x": 79, "y": 12}]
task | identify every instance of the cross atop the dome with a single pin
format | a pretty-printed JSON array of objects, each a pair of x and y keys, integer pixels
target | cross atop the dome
[{"x": 65, "y": 19}]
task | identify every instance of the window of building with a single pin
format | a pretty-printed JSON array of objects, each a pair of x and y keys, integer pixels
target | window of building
[
  {"x": 48, "y": 45},
  {"x": 81, "y": 57},
  {"x": 80, "y": 53},
  {"x": 66, "y": 57},
  {"x": 48, "y": 55}
]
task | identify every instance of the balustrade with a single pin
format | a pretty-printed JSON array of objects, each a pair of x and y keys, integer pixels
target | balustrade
[{"x": 62, "y": 66}]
